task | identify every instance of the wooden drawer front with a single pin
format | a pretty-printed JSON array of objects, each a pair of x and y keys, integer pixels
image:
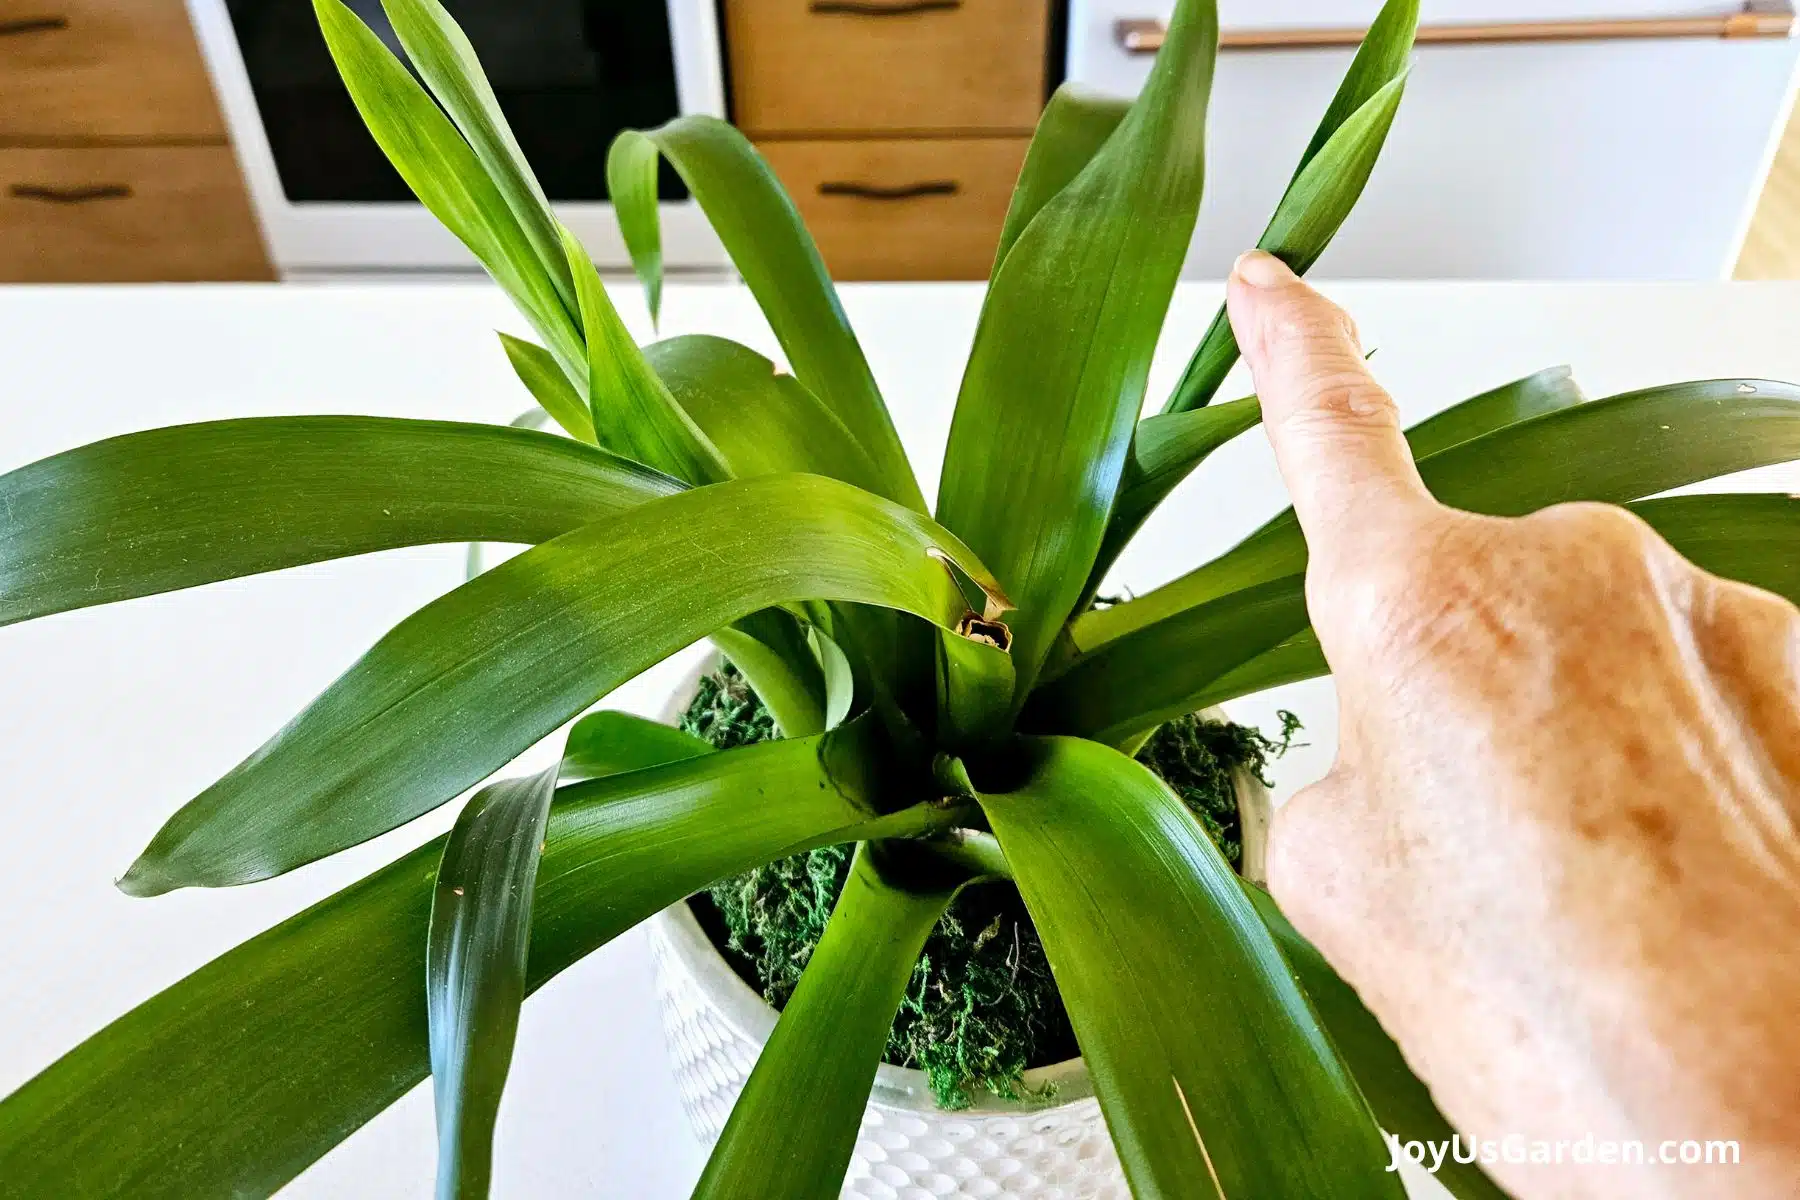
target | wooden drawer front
[
  {"x": 902, "y": 208},
  {"x": 149, "y": 213},
  {"x": 869, "y": 66},
  {"x": 102, "y": 68}
]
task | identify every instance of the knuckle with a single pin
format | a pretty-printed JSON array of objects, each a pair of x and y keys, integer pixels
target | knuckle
[
  {"x": 1587, "y": 538},
  {"x": 1341, "y": 395},
  {"x": 1590, "y": 519}
]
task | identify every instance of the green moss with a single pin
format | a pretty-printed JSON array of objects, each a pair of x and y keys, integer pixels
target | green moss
[
  {"x": 981, "y": 1006},
  {"x": 1196, "y": 759},
  {"x": 726, "y": 712}
]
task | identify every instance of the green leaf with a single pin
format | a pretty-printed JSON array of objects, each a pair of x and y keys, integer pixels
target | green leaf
[
  {"x": 1748, "y": 537},
  {"x": 631, "y": 169},
  {"x": 834, "y": 668},
  {"x": 1207, "y": 1058},
  {"x": 443, "y": 171},
  {"x": 792, "y": 1131},
  {"x": 975, "y": 686},
  {"x": 761, "y": 420},
  {"x": 413, "y": 723},
  {"x": 764, "y": 422},
  {"x": 446, "y": 61},
  {"x": 475, "y": 956},
  {"x": 770, "y": 648},
  {"x": 611, "y": 743},
  {"x": 233, "y": 1080},
  {"x": 768, "y": 243},
  {"x": 1073, "y": 127},
  {"x": 537, "y": 369},
  {"x": 1295, "y": 659},
  {"x": 1400, "y": 1101},
  {"x": 1057, "y": 374},
  {"x": 1546, "y": 391},
  {"x": 633, "y": 412},
  {"x": 1138, "y": 681},
  {"x": 532, "y": 418},
  {"x": 1164, "y": 449},
  {"x": 1326, "y": 185},
  {"x": 172, "y": 508},
  {"x": 1168, "y": 447},
  {"x": 1752, "y": 538},
  {"x": 1617, "y": 449},
  {"x": 1380, "y": 59}
]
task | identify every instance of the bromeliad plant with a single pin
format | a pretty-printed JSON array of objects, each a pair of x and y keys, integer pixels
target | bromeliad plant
[{"x": 952, "y": 700}]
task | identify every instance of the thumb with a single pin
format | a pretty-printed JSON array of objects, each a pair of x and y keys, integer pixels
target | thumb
[{"x": 1336, "y": 433}]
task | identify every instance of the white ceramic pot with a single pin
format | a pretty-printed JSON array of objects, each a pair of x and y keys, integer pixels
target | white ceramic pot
[{"x": 908, "y": 1148}]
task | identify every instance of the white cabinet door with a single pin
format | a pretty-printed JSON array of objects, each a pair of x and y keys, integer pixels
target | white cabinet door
[{"x": 1607, "y": 159}]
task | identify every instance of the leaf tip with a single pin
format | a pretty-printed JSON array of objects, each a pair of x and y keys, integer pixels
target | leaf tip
[{"x": 145, "y": 878}]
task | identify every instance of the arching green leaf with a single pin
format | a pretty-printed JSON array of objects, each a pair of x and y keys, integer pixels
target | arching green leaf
[
  {"x": 1621, "y": 448},
  {"x": 1214, "y": 1074},
  {"x": 232, "y": 1081},
  {"x": 190, "y": 504},
  {"x": 611, "y": 743},
  {"x": 446, "y": 61},
  {"x": 761, "y": 420},
  {"x": 1057, "y": 374},
  {"x": 444, "y": 172},
  {"x": 1326, "y": 185},
  {"x": 1073, "y": 127},
  {"x": 537, "y": 370},
  {"x": 633, "y": 412},
  {"x": 792, "y": 1131},
  {"x": 475, "y": 955},
  {"x": 772, "y": 250},
  {"x": 553, "y": 630}
]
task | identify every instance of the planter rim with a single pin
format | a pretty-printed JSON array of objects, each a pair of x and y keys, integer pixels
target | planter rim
[{"x": 908, "y": 1088}]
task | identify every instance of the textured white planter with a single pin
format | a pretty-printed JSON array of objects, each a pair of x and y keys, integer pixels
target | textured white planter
[{"x": 908, "y": 1148}]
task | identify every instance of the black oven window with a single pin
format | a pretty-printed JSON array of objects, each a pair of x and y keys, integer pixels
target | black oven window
[{"x": 569, "y": 75}]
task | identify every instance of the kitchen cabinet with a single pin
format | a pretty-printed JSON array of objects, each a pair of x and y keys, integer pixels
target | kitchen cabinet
[
  {"x": 114, "y": 163},
  {"x": 897, "y": 126},
  {"x": 1623, "y": 158},
  {"x": 940, "y": 219}
]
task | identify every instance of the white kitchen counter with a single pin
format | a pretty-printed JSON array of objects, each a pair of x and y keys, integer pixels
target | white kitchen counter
[{"x": 110, "y": 718}]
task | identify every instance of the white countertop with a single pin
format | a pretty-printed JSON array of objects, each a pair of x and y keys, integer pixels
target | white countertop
[{"x": 110, "y": 718}]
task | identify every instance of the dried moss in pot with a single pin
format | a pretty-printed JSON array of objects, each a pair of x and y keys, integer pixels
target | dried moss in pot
[{"x": 981, "y": 1007}]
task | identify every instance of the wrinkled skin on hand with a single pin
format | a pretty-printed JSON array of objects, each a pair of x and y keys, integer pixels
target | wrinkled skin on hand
[{"x": 1559, "y": 852}]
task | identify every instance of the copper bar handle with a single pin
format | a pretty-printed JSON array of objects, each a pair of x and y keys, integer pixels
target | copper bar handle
[
  {"x": 870, "y": 8},
  {"x": 24, "y": 25},
  {"x": 81, "y": 194},
  {"x": 876, "y": 191},
  {"x": 1759, "y": 19}
]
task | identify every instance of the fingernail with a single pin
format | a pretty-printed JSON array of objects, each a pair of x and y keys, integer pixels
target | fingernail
[{"x": 1260, "y": 269}]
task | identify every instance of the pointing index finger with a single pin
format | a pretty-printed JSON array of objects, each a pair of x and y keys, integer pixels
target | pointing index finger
[{"x": 1335, "y": 431}]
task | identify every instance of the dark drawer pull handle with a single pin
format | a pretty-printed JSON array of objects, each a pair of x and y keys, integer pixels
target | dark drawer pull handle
[
  {"x": 32, "y": 25},
  {"x": 869, "y": 8},
  {"x": 875, "y": 191},
  {"x": 70, "y": 195}
]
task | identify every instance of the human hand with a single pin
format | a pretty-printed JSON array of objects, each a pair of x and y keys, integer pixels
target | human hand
[{"x": 1559, "y": 852}]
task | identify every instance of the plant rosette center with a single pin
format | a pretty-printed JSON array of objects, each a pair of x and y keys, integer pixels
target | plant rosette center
[{"x": 981, "y": 1007}]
